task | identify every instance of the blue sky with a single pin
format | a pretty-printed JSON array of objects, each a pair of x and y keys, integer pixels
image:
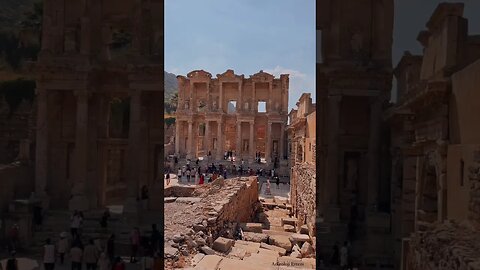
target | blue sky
[{"x": 277, "y": 36}]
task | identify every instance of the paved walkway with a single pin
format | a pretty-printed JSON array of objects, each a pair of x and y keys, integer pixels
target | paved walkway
[{"x": 65, "y": 266}]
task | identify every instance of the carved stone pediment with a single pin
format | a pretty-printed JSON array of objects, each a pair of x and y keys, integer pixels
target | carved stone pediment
[
  {"x": 262, "y": 76},
  {"x": 200, "y": 74},
  {"x": 229, "y": 75}
]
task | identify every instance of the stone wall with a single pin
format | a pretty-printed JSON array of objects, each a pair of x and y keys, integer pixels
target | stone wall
[
  {"x": 304, "y": 199},
  {"x": 178, "y": 191},
  {"x": 474, "y": 202},
  {"x": 213, "y": 211},
  {"x": 449, "y": 245},
  {"x": 15, "y": 129},
  {"x": 16, "y": 182}
]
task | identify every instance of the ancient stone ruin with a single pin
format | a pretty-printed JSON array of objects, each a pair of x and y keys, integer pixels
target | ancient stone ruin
[
  {"x": 232, "y": 113},
  {"x": 203, "y": 222}
]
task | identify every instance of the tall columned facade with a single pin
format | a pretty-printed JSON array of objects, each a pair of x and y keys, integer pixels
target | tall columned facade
[{"x": 247, "y": 116}]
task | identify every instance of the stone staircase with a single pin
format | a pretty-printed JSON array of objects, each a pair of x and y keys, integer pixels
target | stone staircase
[{"x": 56, "y": 222}]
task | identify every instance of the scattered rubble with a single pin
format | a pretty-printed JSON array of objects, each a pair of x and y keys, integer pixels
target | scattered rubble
[{"x": 200, "y": 230}]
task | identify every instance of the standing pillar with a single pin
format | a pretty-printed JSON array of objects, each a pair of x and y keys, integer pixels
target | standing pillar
[
  {"x": 281, "y": 145},
  {"x": 207, "y": 137},
  {"x": 134, "y": 152},
  {"x": 251, "y": 142},
  {"x": 41, "y": 152},
  {"x": 79, "y": 200},
  {"x": 239, "y": 150},
  {"x": 177, "y": 138},
  {"x": 220, "y": 101},
  {"x": 268, "y": 154},
  {"x": 190, "y": 139},
  {"x": 373, "y": 153},
  {"x": 219, "y": 140},
  {"x": 331, "y": 192}
]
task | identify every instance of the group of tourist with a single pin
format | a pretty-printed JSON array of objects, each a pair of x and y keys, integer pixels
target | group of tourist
[
  {"x": 98, "y": 255},
  {"x": 341, "y": 256}
]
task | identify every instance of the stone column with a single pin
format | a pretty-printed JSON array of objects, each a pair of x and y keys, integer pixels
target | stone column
[
  {"x": 373, "y": 153},
  {"x": 134, "y": 152},
  {"x": 41, "y": 152},
  {"x": 220, "y": 100},
  {"x": 177, "y": 138},
  {"x": 254, "y": 99},
  {"x": 281, "y": 144},
  {"x": 239, "y": 149},
  {"x": 331, "y": 192},
  {"x": 207, "y": 137},
  {"x": 190, "y": 139},
  {"x": 240, "y": 98},
  {"x": 270, "y": 105},
  {"x": 251, "y": 143},
  {"x": 268, "y": 142},
  {"x": 219, "y": 141},
  {"x": 79, "y": 200},
  {"x": 85, "y": 41}
]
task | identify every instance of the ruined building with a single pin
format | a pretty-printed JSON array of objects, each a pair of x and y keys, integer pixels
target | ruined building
[
  {"x": 435, "y": 148},
  {"x": 232, "y": 113},
  {"x": 99, "y": 94},
  {"x": 302, "y": 156},
  {"x": 353, "y": 84}
]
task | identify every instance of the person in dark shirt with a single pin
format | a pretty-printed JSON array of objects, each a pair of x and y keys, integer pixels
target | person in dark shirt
[
  {"x": 111, "y": 247},
  {"x": 12, "y": 263},
  {"x": 155, "y": 237}
]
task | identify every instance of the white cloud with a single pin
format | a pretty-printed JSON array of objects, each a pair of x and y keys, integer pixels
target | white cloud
[
  {"x": 281, "y": 70},
  {"x": 299, "y": 83}
]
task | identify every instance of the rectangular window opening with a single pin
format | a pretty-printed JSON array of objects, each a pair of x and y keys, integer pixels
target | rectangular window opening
[
  {"x": 232, "y": 106},
  {"x": 262, "y": 107}
]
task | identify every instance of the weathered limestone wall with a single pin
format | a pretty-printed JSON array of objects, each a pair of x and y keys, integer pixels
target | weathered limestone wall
[
  {"x": 447, "y": 246},
  {"x": 15, "y": 130},
  {"x": 178, "y": 191},
  {"x": 16, "y": 181},
  {"x": 213, "y": 207},
  {"x": 474, "y": 201},
  {"x": 303, "y": 201}
]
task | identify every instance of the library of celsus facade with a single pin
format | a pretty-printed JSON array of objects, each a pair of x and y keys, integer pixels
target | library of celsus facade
[
  {"x": 99, "y": 96},
  {"x": 232, "y": 113}
]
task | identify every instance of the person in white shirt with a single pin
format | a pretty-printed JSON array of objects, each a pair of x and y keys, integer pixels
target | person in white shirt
[
  {"x": 90, "y": 255},
  {"x": 344, "y": 256},
  {"x": 49, "y": 255},
  {"x": 76, "y": 220},
  {"x": 104, "y": 262},
  {"x": 76, "y": 254},
  {"x": 62, "y": 246},
  {"x": 147, "y": 262}
]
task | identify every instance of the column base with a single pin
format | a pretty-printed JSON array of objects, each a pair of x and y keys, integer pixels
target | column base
[{"x": 78, "y": 202}]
